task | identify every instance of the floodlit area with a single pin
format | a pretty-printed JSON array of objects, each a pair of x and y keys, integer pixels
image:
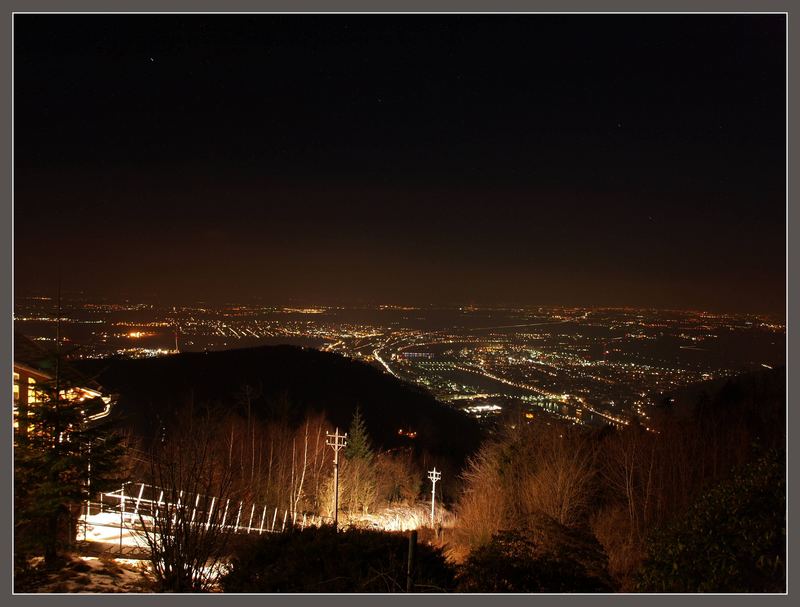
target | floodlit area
[{"x": 106, "y": 528}]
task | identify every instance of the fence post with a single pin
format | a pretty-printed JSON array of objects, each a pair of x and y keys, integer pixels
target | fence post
[
  {"x": 194, "y": 510},
  {"x": 158, "y": 504},
  {"x": 177, "y": 507},
  {"x": 238, "y": 516},
  {"x": 225, "y": 514},
  {"x": 138, "y": 499},
  {"x": 121, "y": 515},
  {"x": 263, "y": 514},
  {"x": 211, "y": 511},
  {"x": 250, "y": 522},
  {"x": 412, "y": 557}
]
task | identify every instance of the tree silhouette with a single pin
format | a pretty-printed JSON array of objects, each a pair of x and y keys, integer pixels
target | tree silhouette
[
  {"x": 358, "y": 442},
  {"x": 60, "y": 458},
  {"x": 732, "y": 539},
  {"x": 358, "y": 478},
  {"x": 188, "y": 538}
]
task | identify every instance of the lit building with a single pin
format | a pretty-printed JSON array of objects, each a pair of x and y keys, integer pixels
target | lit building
[{"x": 34, "y": 367}]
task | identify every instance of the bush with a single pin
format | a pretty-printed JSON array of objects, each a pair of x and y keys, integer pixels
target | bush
[
  {"x": 731, "y": 540},
  {"x": 322, "y": 560},
  {"x": 511, "y": 562}
]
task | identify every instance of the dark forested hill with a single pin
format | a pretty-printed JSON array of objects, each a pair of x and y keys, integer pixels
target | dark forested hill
[
  {"x": 755, "y": 400},
  {"x": 287, "y": 381}
]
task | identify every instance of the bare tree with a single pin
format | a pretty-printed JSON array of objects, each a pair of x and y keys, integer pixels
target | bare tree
[
  {"x": 399, "y": 479},
  {"x": 320, "y": 465},
  {"x": 185, "y": 529},
  {"x": 309, "y": 463},
  {"x": 482, "y": 505},
  {"x": 358, "y": 485},
  {"x": 562, "y": 484}
]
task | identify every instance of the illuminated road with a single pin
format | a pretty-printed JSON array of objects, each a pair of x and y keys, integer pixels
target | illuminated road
[
  {"x": 401, "y": 344},
  {"x": 532, "y": 324},
  {"x": 377, "y": 355}
]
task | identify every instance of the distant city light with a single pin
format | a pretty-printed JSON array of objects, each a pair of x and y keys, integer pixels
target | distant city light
[{"x": 547, "y": 360}]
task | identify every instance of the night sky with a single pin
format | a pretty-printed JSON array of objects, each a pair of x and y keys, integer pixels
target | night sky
[{"x": 439, "y": 159}]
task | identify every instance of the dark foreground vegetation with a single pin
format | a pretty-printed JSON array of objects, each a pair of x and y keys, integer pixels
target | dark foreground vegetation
[
  {"x": 543, "y": 557},
  {"x": 322, "y": 560},
  {"x": 739, "y": 528},
  {"x": 697, "y": 505}
]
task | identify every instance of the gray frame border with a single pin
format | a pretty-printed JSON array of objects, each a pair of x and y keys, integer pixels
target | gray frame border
[{"x": 376, "y": 6}]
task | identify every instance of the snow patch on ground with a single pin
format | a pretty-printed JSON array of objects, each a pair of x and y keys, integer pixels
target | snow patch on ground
[
  {"x": 88, "y": 574},
  {"x": 402, "y": 518}
]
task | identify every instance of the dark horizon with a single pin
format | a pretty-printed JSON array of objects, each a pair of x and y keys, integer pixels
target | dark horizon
[{"x": 582, "y": 160}]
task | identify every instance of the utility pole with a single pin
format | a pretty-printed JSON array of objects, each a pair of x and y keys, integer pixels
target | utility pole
[
  {"x": 58, "y": 338},
  {"x": 88, "y": 492},
  {"x": 121, "y": 515},
  {"x": 175, "y": 328},
  {"x": 337, "y": 442},
  {"x": 434, "y": 476},
  {"x": 412, "y": 560}
]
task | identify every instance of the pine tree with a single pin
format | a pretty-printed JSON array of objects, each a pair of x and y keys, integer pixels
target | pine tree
[
  {"x": 358, "y": 442},
  {"x": 59, "y": 457},
  {"x": 358, "y": 473}
]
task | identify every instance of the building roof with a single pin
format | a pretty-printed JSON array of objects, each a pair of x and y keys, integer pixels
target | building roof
[{"x": 33, "y": 356}]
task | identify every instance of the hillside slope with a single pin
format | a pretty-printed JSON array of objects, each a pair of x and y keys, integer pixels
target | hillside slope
[{"x": 288, "y": 381}]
